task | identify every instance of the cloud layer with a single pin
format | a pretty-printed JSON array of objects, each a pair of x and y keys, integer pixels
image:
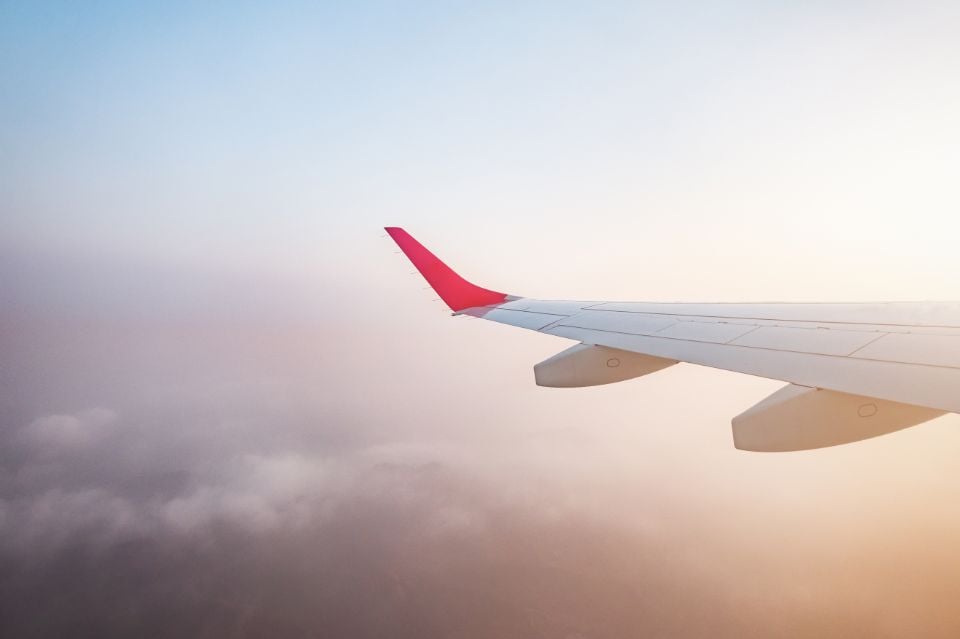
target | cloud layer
[{"x": 246, "y": 479}]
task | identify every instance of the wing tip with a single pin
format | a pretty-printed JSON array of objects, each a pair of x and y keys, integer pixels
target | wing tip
[{"x": 457, "y": 292}]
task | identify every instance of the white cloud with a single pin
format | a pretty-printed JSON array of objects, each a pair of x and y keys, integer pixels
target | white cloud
[{"x": 55, "y": 433}]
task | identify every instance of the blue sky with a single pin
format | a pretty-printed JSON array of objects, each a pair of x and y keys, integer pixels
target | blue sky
[{"x": 251, "y": 135}]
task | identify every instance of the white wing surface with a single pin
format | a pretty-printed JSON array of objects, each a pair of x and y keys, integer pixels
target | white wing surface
[{"x": 871, "y": 368}]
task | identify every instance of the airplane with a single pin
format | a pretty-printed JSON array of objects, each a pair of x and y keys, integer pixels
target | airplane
[{"x": 853, "y": 371}]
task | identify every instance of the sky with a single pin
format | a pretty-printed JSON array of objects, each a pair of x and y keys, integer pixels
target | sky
[{"x": 228, "y": 407}]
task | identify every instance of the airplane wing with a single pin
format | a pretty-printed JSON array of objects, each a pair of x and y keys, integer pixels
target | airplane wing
[{"x": 853, "y": 370}]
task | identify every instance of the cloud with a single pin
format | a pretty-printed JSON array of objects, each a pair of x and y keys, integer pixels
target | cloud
[
  {"x": 246, "y": 481},
  {"x": 412, "y": 539},
  {"x": 64, "y": 433}
]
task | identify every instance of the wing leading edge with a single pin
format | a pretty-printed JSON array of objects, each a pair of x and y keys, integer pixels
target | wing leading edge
[{"x": 873, "y": 368}]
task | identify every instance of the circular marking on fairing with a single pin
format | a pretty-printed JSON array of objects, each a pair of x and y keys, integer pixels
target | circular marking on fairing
[
  {"x": 613, "y": 362},
  {"x": 867, "y": 410}
]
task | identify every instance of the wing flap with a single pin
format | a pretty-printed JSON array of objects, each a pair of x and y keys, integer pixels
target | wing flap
[
  {"x": 719, "y": 332},
  {"x": 821, "y": 341},
  {"x": 935, "y": 350},
  {"x": 801, "y": 418}
]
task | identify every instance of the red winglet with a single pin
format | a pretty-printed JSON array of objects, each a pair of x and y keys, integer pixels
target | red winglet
[{"x": 457, "y": 292}]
